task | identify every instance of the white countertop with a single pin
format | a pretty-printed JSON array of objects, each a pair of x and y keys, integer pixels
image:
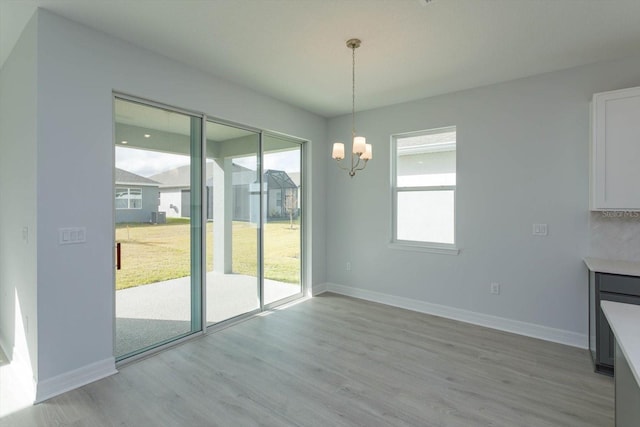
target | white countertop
[
  {"x": 624, "y": 320},
  {"x": 600, "y": 265}
]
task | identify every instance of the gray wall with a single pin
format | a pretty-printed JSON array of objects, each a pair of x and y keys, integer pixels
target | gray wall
[
  {"x": 18, "y": 273},
  {"x": 150, "y": 198},
  {"x": 78, "y": 69},
  {"x": 523, "y": 151}
]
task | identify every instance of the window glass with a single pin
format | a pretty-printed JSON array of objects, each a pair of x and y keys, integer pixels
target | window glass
[
  {"x": 424, "y": 186},
  {"x": 426, "y": 216},
  {"x": 135, "y": 198},
  {"x": 428, "y": 159},
  {"x": 122, "y": 195},
  {"x": 128, "y": 198}
]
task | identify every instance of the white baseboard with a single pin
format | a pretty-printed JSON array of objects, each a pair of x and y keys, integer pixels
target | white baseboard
[
  {"x": 67, "y": 381},
  {"x": 546, "y": 333},
  {"x": 318, "y": 289}
]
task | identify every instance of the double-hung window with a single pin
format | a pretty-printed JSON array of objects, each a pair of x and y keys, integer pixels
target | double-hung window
[
  {"x": 424, "y": 188},
  {"x": 128, "y": 198}
]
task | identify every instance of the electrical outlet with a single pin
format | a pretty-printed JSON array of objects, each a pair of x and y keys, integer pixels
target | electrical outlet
[
  {"x": 348, "y": 266},
  {"x": 495, "y": 288},
  {"x": 540, "y": 230}
]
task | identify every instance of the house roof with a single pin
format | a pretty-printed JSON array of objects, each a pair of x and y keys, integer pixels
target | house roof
[
  {"x": 278, "y": 179},
  {"x": 126, "y": 177},
  {"x": 295, "y": 177},
  {"x": 176, "y": 177},
  {"x": 180, "y": 177}
]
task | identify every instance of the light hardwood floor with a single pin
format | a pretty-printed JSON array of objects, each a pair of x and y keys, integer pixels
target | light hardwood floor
[{"x": 338, "y": 361}]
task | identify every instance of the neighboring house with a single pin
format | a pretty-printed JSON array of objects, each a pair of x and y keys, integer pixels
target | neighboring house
[
  {"x": 295, "y": 177},
  {"x": 175, "y": 193},
  {"x": 282, "y": 193},
  {"x": 136, "y": 198}
]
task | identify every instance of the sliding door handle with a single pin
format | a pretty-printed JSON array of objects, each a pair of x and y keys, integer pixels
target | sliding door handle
[{"x": 118, "y": 265}]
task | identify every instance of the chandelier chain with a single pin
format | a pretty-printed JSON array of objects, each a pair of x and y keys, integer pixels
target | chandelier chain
[{"x": 353, "y": 92}]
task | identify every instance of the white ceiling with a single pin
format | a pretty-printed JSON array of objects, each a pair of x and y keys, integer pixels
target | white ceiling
[{"x": 294, "y": 50}]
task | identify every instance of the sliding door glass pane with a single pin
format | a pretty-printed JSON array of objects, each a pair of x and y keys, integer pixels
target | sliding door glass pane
[
  {"x": 233, "y": 222},
  {"x": 282, "y": 229},
  {"x": 157, "y": 206}
]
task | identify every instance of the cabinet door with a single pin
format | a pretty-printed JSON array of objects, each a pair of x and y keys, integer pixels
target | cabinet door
[
  {"x": 619, "y": 284},
  {"x": 592, "y": 314},
  {"x": 616, "y": 150},
  {"x": 606, "y": 341}
]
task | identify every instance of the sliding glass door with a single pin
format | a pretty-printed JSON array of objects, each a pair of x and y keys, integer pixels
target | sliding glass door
[
  {"x": 233, "y": 221},
  {"x": 208, "y": 223},
  {"x": 282, "y": 176},
  {"x": 157, "y": 226}
]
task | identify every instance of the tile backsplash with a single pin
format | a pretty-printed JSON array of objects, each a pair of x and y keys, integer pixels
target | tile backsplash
[{"x": 615, "y": 235}]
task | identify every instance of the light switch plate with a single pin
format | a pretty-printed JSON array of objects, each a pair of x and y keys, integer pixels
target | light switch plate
[{"x": 72, "y": 235}]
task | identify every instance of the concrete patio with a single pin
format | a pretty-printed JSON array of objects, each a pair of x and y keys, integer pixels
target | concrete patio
[{"x": 148, "y": 314}]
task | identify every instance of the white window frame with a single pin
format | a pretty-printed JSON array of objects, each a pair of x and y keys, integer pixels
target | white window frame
[
  {"x": 129, "y": 198},
  {"x": 416, "y": 245}
]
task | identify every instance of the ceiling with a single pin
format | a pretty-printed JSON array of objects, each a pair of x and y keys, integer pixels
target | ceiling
[
  {"x": 294, "y": 50},
  {"x": 154, "y": 119}
]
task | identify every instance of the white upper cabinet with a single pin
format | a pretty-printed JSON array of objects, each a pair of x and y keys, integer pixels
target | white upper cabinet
[{"x": 615, "y": 150}]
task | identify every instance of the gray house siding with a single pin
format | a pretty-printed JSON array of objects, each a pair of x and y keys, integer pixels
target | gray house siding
[
  {"x": 136, "y": 197},
  {"x": 150, "y": 197}
]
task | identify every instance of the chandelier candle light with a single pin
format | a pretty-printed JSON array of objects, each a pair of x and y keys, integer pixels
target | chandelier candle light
[{"x": 363, "y": 151}]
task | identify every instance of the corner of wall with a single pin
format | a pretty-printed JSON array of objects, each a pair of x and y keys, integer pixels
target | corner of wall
[
  {"x": 319, "y": 288},
  {"x": 18, "y": 303}
]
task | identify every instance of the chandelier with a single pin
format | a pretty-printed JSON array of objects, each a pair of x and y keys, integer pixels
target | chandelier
[{"x": 361, "y": 152}]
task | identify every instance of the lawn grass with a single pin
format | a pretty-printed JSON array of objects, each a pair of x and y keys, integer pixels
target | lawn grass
[{"x": 156, "y": 252}]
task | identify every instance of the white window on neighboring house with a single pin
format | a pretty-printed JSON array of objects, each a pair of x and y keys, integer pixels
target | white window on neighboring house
[
  {"x": 128, "y": 198},
  {"x": 424, "y": 188}
]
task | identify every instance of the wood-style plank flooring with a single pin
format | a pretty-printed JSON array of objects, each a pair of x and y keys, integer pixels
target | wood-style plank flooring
[{"x": 338, "y": 361}]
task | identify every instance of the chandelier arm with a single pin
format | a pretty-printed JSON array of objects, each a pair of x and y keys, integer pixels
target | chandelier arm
[
  {"x": 340, "y": 165},
  {"x": 355, "y": 165},
  {"x": 364, "y": 165}
]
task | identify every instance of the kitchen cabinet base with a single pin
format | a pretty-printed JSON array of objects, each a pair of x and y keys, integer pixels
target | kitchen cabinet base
[{"x": 603, "y": 369}]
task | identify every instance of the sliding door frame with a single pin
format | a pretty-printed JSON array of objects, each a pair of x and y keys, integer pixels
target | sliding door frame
[
  {"x": 303, "y": 228},
  {"x": 170, "y": 342},
  {"x": 243, "y": 316},
  {"x": 202, "y": 279}
]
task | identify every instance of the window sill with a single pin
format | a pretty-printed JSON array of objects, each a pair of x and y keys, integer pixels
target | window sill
[{"x": 424, "y": 248}]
